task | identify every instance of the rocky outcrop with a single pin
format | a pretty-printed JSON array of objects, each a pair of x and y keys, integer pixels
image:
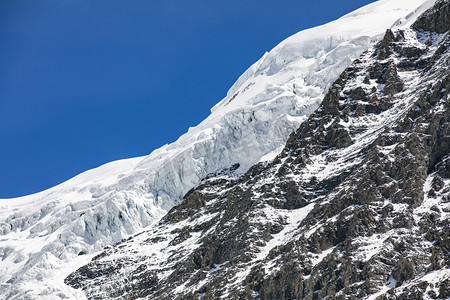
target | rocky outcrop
[
  {"x": 436, "y": 20},
  {"x": 357, "y": 204}
]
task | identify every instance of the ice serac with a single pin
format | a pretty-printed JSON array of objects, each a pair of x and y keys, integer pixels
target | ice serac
[
  {"x": 356, "y": 206},
  {"x": 47, "y": 235}
]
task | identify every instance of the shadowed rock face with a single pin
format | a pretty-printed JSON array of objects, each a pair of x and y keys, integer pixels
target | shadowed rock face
[
  {"x": 435, "y": 20},
  {"x": 357, "y": 204}
]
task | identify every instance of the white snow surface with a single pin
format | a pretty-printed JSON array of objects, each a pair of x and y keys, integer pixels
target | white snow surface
[{"x": 45, "y": 236}]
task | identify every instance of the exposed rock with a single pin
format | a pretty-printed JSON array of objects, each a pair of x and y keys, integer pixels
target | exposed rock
[{"x": 435, "y": 20}]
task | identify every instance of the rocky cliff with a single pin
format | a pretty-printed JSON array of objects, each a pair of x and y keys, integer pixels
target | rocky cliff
[{"x": 356, "y": 206}]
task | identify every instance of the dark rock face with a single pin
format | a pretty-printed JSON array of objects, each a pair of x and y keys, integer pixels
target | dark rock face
[
  {"x": 356, "y": 205},
  {"x": 435, "y": 20}
]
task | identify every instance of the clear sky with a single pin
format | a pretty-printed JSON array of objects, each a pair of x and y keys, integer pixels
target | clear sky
[{"x": 85, "y": 82}]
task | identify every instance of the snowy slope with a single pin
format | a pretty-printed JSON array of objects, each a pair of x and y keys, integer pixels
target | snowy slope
[
  {"x": 356, "y": 206},
  {"x": 46, "y": 235}
]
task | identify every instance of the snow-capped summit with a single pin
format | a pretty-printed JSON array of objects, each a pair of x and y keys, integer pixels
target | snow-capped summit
[
  {"x": 356, "y": 206},
  {"x": 45, "y": 236}
]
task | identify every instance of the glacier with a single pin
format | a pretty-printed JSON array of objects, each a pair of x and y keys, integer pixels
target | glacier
[{"x": 45, "y": 236}]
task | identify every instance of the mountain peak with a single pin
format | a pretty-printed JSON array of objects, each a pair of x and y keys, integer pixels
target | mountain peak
[
  {"x": 357, "y": 204},
  {"x": 71, "y": 223}
]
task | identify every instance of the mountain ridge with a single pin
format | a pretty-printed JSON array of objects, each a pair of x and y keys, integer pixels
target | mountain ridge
[
  {"x": 356, "y": 206},
  {"x": 72, "y": 222}
]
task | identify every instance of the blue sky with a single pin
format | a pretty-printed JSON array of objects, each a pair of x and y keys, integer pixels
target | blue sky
[{"x": 85, "y": 82}]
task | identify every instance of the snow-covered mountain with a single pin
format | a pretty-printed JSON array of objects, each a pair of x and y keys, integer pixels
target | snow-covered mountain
[
  {"x": 45, "y": 236},
  {"x": 356, "y": 206}
]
